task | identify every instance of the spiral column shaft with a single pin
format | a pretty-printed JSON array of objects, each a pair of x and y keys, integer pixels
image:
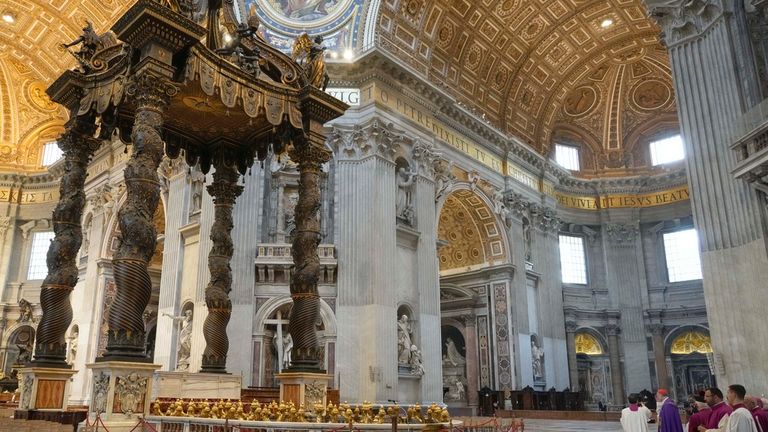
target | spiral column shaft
[
  {"x": 305, "y": 355},
  {"x": 224, "y": 191},
  {"x": 78, "y": 145},
  {"x": 126, "y": 335}
]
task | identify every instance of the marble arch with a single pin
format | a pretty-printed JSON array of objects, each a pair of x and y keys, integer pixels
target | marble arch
[{"x": 474, "y": 234}]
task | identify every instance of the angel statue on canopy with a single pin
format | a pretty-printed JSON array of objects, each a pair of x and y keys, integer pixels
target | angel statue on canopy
[{"x": 311, "y": 55}]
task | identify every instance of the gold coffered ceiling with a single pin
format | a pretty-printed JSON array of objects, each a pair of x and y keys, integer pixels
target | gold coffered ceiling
[
  {"x": 31, "y": 56},
  {"x": 534, "y": 66}
]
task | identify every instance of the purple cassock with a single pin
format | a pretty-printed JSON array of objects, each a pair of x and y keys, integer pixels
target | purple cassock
[
  {"x": 670, "y": 417},
  {"x": 718, "y": 411},
  {"x": 699, "y": 419},
  {"x": 761, "y": 419}
]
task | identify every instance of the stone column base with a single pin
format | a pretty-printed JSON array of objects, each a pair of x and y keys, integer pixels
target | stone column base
[
  {"x": 44, "y": 388},
  {"x": 120, "y": 394},
  {"x": 304, "y": 388}
]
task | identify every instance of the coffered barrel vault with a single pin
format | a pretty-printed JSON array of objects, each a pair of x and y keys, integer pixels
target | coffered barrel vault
[{"x": 594, "y": 71}]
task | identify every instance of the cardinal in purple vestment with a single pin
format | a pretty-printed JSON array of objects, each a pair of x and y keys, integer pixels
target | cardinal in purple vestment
[{"x": 669, "y": 415}]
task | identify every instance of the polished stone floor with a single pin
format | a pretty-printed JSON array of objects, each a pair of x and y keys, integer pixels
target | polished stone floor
[{"x": 575, "y": 426}]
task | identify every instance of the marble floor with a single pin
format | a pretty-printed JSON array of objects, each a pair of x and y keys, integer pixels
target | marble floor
[{"x": 575, "y": 426}]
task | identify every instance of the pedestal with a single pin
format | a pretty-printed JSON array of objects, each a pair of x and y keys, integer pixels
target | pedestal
[
  {"x": 121, "y": 393},
  {"x": 304, "y": 388},
  {"x": 187, "y": 385},
  {"x": 44, "y": 388}
]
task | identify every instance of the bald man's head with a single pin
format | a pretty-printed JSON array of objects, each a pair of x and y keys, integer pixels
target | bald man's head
[{"x": 750, "y": 402}]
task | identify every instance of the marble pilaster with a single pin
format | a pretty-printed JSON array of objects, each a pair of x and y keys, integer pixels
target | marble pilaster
[
  {"x": 203, "y": 276},
  {"x": 169, "y": 303},
  {"x": 626, "y": 280},
  {"x": 366, "y": 310},
  {"x": 570, "y": 343},
  {"x": 657, "y": 336},
  {"x": 713, "y": 71},
  {"x": 247, "y": 218},
  {"x": 428, "y": 287},
  {"x": 470, "y": 335},
  {"x": 617, "y": 380}
]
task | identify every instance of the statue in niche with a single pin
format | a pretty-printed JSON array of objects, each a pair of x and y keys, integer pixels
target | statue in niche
[
  {"x": 87, "y": 236},
  {"x": 456, "y": 388},
  {"x": 184, "y": 349},
  {"x": 290, "y": 213},
  {"x": 25, "y": 353},
  {"x": 452, "y": 355},
  {"x": 537, "y": 359},
  {"x": 73, "y": 341},
  {"x": 287, "y": 347},
  {"x": 417, "y": 367},
  {"x": 404, "y": 205},
  {"x": 404, "y": 340},
  {"x": 197, "y": 179},
  {"x": 25, "y": 311},
  {"x": 527, "y": 238}
]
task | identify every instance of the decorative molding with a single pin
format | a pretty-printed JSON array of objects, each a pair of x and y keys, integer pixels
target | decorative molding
[
  {"x": 621, "y": 233},
  {"x": 371, "y": 139},
  {"x": 683, "y": 19}
]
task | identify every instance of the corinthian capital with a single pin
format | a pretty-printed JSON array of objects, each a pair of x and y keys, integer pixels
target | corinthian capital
[
  {"x": 621, "y": 233},
  {"x": 371, "y": 139},
  {"x": 682, "y": 19},
  {"x": 151, "y": 90}
]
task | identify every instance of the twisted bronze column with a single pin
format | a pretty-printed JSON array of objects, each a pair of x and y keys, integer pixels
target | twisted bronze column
[
  {"x": 78, "y": 144},
  {"x": 126, "y": 335},
  {"x": 224, "y": 191},
  {"x": 305, "y": 355}
]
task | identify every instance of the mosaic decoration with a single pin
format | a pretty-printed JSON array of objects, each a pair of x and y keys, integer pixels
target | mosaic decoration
[
  {"x": 691, "y": 342},
  {"x": 501, "y": 317},
  {"x": 482, "y": 342},
  {"x": 587, "y": 344},
  {"x": 282, "y": 20}
]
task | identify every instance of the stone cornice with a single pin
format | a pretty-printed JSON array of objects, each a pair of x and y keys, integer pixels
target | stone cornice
[
  {"x": 380, "y": 66},
  {"x": 28, "y": 179},
  {"x": 638, "y": 184}
]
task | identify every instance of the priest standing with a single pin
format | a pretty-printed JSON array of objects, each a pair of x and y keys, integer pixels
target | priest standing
[
  {"x": 669, "y": 415},
  {"x": 720, "y": 410},
  {"x": 633, "y": 417}
]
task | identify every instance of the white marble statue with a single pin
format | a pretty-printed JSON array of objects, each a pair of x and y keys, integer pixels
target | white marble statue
[
  {"x": 287, "y": 347},
  {"x": 184, "y": 349},
  {"x": 73, "y": 341},
  {"x": 537, "y": 357},
  {"x": 452, "y": 355},
  {"x": 460, "y": 393},
  {"x": 404, "y": 340},
  {"x": 417, "y": 366},
  {"x": 404, "y": 204}
]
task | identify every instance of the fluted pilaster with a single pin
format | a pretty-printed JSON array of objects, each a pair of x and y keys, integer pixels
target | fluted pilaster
[
  {"x": 713, "y": 71},
  {"x": 617, "y": 380}
]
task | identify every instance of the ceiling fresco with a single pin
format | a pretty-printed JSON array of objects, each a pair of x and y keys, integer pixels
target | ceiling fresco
[{"x": 338, "y": 21}]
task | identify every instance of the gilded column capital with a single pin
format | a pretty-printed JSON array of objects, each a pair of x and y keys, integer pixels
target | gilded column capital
[
  {"x": 681, "y": 20},
  {"x": 309, "y": 156}
]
